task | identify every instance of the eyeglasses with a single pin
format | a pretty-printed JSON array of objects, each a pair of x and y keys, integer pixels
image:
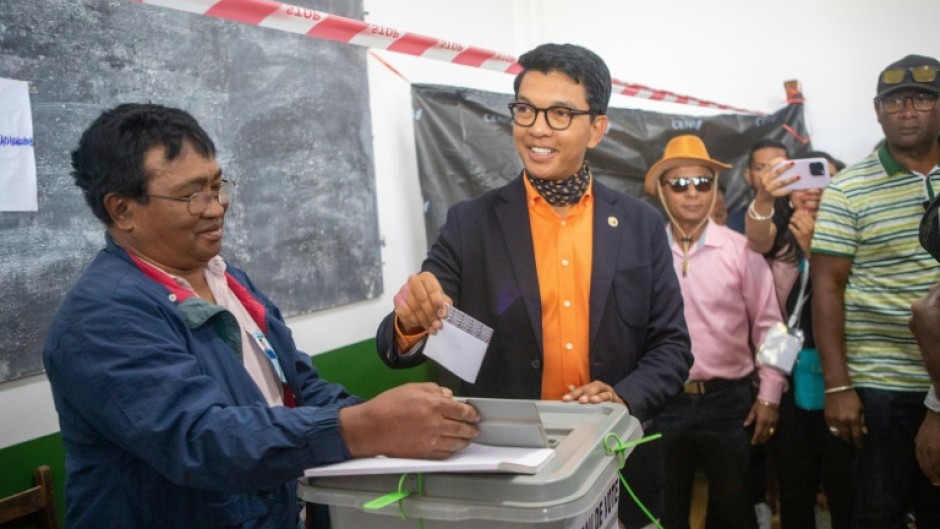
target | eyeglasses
[
  {"x": 922, "y": 102},
  {"x": 558, "y": 118},
  {"x": 198, "y": 202},
  {"x": 703, "y": 184},
  {"x": 921, "y": 74}
]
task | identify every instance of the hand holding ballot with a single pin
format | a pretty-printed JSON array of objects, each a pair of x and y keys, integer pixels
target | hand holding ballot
[
  {"x": 420, "y": 421},
  {"x": 421, "y": 304},
  {"x": 454, "y": 339}
]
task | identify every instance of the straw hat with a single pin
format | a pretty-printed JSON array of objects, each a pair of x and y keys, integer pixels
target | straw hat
[{"x": 681, "y": 150}]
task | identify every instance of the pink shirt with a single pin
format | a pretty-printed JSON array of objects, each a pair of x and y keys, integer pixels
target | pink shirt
[{"x": 730, "y": 304}]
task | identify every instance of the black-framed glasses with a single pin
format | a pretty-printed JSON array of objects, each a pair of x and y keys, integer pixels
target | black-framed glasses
[
  {"x": 198, "y": 202},
  {"x": 702, "y": 184},
  {"x": 920, "y": 74},
  {"x": 922, "y": 102},
  {"x": 558, "y": 117}
]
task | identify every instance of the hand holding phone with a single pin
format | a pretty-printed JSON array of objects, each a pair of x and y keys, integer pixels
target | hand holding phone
[{"x": 813, "y": 173}]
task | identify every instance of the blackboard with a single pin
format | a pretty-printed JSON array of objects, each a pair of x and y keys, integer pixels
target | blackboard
[{"x": 289, "y": 116}]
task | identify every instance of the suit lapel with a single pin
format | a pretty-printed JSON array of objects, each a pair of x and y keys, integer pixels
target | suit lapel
[
  {"x": 512, "y": 214},
  {"x": 607, "y": 225}
]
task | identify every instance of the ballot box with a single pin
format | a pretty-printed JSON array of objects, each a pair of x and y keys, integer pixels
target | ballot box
[{"x": 576, "y": 488}]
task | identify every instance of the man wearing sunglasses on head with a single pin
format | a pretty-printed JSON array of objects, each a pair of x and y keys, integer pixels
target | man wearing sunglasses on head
[
  {"x": 573, "y": 277},
  {"x": 730, "y": 305},
  {"x": 867, "y": 268}
]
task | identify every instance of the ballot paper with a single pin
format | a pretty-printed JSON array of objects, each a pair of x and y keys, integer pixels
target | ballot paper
[
  {"x": 474, "y": 458},
  {"x": 460, "y": 345}
]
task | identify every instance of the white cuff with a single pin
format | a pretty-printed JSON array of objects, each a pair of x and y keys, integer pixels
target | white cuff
[{"x": 932, "y": 402}]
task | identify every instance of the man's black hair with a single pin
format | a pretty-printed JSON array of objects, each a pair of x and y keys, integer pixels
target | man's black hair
[
  {"x": 110, "y": 153},
  {"x": 766, "y": 144},
  {"x": 578, "y": 63}
]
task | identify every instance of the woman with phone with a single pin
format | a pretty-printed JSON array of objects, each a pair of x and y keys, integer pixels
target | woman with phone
[{"x": 780, "y": 223}]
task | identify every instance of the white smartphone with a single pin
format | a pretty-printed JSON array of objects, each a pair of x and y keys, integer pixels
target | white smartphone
[{"x": 813, "y": 173}]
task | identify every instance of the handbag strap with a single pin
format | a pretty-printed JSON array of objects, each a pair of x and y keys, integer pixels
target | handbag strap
[{"x": 801, "y": 299}]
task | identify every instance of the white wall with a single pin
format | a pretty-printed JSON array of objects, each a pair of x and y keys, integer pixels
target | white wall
[{"x": 736, "y": 52}]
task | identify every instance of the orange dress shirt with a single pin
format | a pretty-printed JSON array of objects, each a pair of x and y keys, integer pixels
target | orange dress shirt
[{"x": 563, "y": 256}]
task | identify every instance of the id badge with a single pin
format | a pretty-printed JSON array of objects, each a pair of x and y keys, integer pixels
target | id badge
[{"x": 265, "y": 347}]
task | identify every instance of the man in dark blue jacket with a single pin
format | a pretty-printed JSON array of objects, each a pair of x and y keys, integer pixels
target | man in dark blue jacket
[
  {"x": 575, "y": 279},
  {"x": 183, "y": 400}
]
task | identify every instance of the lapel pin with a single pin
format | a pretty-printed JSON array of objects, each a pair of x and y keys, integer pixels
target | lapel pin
[{"x": 613, "y": 221}]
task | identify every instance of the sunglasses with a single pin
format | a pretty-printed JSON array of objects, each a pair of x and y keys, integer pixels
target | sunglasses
[
  {"x": 703, "y": 184},
  {"x": 921, "y": 74}
]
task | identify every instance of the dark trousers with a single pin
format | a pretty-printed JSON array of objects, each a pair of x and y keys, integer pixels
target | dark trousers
[
  {"x": 638, "y": 473},
  {"x": 706, "y": 432},
  {"x": 888, "y": 482},
  {"x": 807, "y": 455}
]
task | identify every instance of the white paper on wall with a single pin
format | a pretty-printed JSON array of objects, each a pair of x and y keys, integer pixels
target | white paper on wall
[{"x": 17, "y": 158}]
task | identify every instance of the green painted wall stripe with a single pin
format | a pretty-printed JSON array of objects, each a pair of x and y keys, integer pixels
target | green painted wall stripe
[{"x": 358, "y": 368}]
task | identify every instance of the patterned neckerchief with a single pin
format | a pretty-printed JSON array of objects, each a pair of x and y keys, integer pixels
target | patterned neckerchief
[{"x": 562, "y": 192}]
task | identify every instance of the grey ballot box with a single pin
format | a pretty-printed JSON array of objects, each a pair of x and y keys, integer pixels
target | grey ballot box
[{"x": 576, "y": 489}]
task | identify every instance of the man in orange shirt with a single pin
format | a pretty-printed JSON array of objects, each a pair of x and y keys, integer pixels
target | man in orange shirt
[{"x": 575, "y": 279}]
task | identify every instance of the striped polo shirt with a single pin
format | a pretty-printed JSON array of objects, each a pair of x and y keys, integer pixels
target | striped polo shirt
[{"x": 870, "y": 214}]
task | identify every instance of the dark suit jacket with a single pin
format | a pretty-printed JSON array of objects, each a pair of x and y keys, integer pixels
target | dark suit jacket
[{"x": 639, "y": 343}]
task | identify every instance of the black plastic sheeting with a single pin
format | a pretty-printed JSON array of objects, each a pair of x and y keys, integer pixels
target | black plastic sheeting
[{"x": 465, "y": 146}]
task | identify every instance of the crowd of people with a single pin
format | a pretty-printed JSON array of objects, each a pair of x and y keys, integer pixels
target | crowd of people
[
  {"x": 184, "y": 402},
  {"x": 841, "y": 266}
]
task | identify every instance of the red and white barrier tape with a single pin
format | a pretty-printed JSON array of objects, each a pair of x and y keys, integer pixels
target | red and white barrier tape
[{"x": 305, "y": 21}]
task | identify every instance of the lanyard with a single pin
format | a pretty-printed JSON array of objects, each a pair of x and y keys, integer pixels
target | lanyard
[{"x": 804, "y": 279}]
